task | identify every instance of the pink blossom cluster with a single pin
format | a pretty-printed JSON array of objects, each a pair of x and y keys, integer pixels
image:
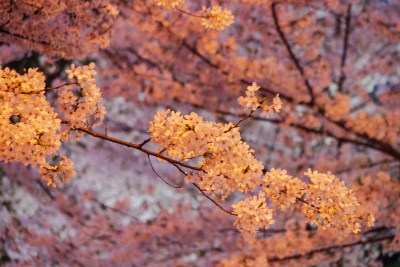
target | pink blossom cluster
[
  {"x": 29, "y": 127},
  {"x": 82, "y": 108},
  {"x": 217, "y": 18},
  {"x": 64, "y": 171},
  {"x": 252, "y": 214},
  {"x": 227, "y": 162},
  {"x": 326, "y": 200},
  {"x": 282, "y": 188},
  {"x": 330, "y": 203},
  {"x": 253, "y": 102},
  {"x": 30, "y": 130}
]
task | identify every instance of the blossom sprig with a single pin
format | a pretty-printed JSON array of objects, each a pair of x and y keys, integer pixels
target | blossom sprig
[
  {"x": 81, "y": 105},
  {"x": 64, "y": 171},
  {"x": 326, "y": 200},
  {"x": 251, "y": 101},
  {"x": 217, "y": 18},
  {"x": 252, "y": 215},
  {"x": 227, "y": 162},
  {"x": 282, "y": 188},
  {"x": 331, "y": 203}
]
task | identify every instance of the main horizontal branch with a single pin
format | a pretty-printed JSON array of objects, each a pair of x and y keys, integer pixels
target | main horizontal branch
[{"x": 138, "y": 147}]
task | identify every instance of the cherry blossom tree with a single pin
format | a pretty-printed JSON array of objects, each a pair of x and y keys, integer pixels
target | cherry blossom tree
[{"x": 199, "y": 133}]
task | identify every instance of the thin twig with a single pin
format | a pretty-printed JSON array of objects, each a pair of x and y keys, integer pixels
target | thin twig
[
  {"x": 218, "y": 205},
  {"x": 159, "y": 176},
  {"x": 240, "y": 121},
  {"x": 198, "y": 187},
  {"x": 191, "y": 14},
  {"x": 180, "y": 169},
  {"x": 144, "y": 142},
  {"x": 305, "y": 202},
  {"x": 251, "y": 114},
  {"x": 62, "y": 85}
]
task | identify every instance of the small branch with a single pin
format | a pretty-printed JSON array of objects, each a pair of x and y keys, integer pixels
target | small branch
[
  {"x": 321, "y": 131},
  {"x": 291, "y": 53},
  {"x": 144, "y": 142},
  {"x": 240, "y": 121},
  {"x": 159, "y": 176},
  {"x": 345, "y": 48},
  {"x": 251, "y": 114},
  {"x": 379, "y": 229},
  {"x": 245, "y": 118},
  {"x": 212, "y": 200},
  {"x": 305, "y": 202},
  {"x": 371, "y": 142},
  {"x": 190, "y": 14},
  {"x": 65, "y": 84},
  {"x": 135, "y": 146},
  {"x": 198, "y": 187},
  {"x": 195, "y": 52},
  {"x": 180, "y": 169}
]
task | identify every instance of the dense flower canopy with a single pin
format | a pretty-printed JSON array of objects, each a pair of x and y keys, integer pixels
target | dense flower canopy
[{"x": 275, "y": 124}]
